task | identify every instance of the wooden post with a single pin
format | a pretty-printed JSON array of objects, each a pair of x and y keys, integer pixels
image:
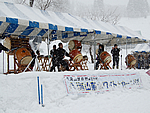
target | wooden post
[
  {"x": 7, "y": 63},
  {"x": 15, "y": 71}
]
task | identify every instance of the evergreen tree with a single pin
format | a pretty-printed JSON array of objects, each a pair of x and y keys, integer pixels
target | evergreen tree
[{"x": 137, "y": 8}]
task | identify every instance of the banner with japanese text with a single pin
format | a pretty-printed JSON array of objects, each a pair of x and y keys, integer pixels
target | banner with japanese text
[{"x": 100, "y": 83}]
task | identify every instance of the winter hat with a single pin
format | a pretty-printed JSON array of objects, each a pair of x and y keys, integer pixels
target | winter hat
[
  {"x": 59, "y": 44},
  {"x": 54, "y": 46},
  {"x": 115, "y": 45},
  {"x": 100, "y": 45}
]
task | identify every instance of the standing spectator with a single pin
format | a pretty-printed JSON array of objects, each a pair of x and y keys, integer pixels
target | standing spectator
[
  {"x": 148, "y": 61},
  {"x": 115, "y": 53},
  {"x": 61, "y": 53},
  {"x": 140, "y": 61},
  {"x": 53, "y": 54},
  {"x": 34, "y": 57}
]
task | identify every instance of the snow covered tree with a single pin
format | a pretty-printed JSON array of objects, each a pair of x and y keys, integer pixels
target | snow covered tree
[
  {"x": 60, "y": 6},
  {"x": 98, "y": 9},
  {"x": 137, "y": 8},
  {"x": 54, "y": 5},
  {"x": 111, "y": 15},
  {"x": 43, "y": 4},
  {"x": 21, "y": 2}
]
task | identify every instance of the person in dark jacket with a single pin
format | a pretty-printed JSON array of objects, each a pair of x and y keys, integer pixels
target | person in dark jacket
[
  {"x": 115, "y": 53},
  {"x": 34, "y": 57},
  {"x": 140, "y": 61},
  {"x": 61, "y": 53},
  {"x": 53, "y": 54},
  {"x": 99, "y": 51},
  {"x": 3, "y": 48}
]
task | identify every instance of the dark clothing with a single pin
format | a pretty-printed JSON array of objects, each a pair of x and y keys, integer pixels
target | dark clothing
[
  {"x": 115, "y": 54},
  {"x": 148, "y": 59},
  {"x": 33, "y": 61},
  {"x": 116, "y": 62},
  {"x": 53, "y": 54},
  {"x": 3, "y": 48},
  {"x": 140, "y": 61},
  {"x": 147, "y": 62},
  {"x": 97, "y": 64},
  {"x": 100, "y": 50},
  {"x": 60, "y": 55}
]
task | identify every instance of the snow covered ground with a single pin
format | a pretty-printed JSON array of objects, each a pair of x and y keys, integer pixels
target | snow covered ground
[
  {"x": 18, "y": 92},
  {"x": 19, "y": 95}
]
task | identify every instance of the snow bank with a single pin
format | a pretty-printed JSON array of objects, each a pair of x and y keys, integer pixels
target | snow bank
[{"x": 19, "y": 95}]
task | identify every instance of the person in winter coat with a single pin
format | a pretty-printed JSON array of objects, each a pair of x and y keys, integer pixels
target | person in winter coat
[
  {"x": 99, "y": 51},
  {"x": 61, "y": 53},
  {"x": 115, "y": 53},
  {"x": 140, "y": 61},
  {"x": 3, "y": 48},
  {"x": 34, "y": 57},
  {"x": 53, "y": 54}
]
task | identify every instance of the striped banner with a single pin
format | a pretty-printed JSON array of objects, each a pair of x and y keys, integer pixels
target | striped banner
[{"x": 25, "y": 21}]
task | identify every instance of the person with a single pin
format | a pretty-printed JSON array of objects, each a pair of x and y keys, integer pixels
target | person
[
  {"x": 140, "y": 61},
  {"x": 148, "y": 61},
  {"x": 61, "y": 53},
  {"x": 115, "y": 53},
  {"x": 53, "y": 54},
  {"x": 3, "y": 48},
  {"x": 34, "y": 57},
  {"x": 99, "y": 51}
]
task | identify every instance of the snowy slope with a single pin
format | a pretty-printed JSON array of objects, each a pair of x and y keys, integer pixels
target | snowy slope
[{"x": 19, "y": 91}]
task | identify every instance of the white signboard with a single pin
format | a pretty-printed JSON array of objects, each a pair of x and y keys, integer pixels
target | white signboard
[{"x": 100, "y": 83}]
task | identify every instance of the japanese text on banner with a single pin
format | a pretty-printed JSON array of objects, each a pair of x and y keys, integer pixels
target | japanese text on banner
[{"x": 100, "y": 83}]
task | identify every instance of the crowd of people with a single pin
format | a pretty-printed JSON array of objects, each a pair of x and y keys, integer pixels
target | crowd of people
[
  {"x": 143, "y": 61},
  {"x": 58, "y": 54}
]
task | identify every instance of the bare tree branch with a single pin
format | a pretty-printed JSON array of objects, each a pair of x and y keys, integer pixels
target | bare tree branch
[{"x": 43, "y": 4}]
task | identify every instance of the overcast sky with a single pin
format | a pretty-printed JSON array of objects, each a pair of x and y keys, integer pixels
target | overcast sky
[
  {"x": 116, "y": 2},
  {"x": 106, "y": 2},
  {"x": 109, "y": 2}
]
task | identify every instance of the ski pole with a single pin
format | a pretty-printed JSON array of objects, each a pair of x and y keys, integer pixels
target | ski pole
[
  {"x": 3, "y": 62},
  {"x": 42, "y": 100},
  {"x": 38, "y": 83}
]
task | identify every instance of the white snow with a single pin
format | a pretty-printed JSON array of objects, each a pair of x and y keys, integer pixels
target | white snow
[
  {"x": 19, "y": 95},
  {"x": 18, "y": 92},
  {"x": 137, "y": 24}
]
